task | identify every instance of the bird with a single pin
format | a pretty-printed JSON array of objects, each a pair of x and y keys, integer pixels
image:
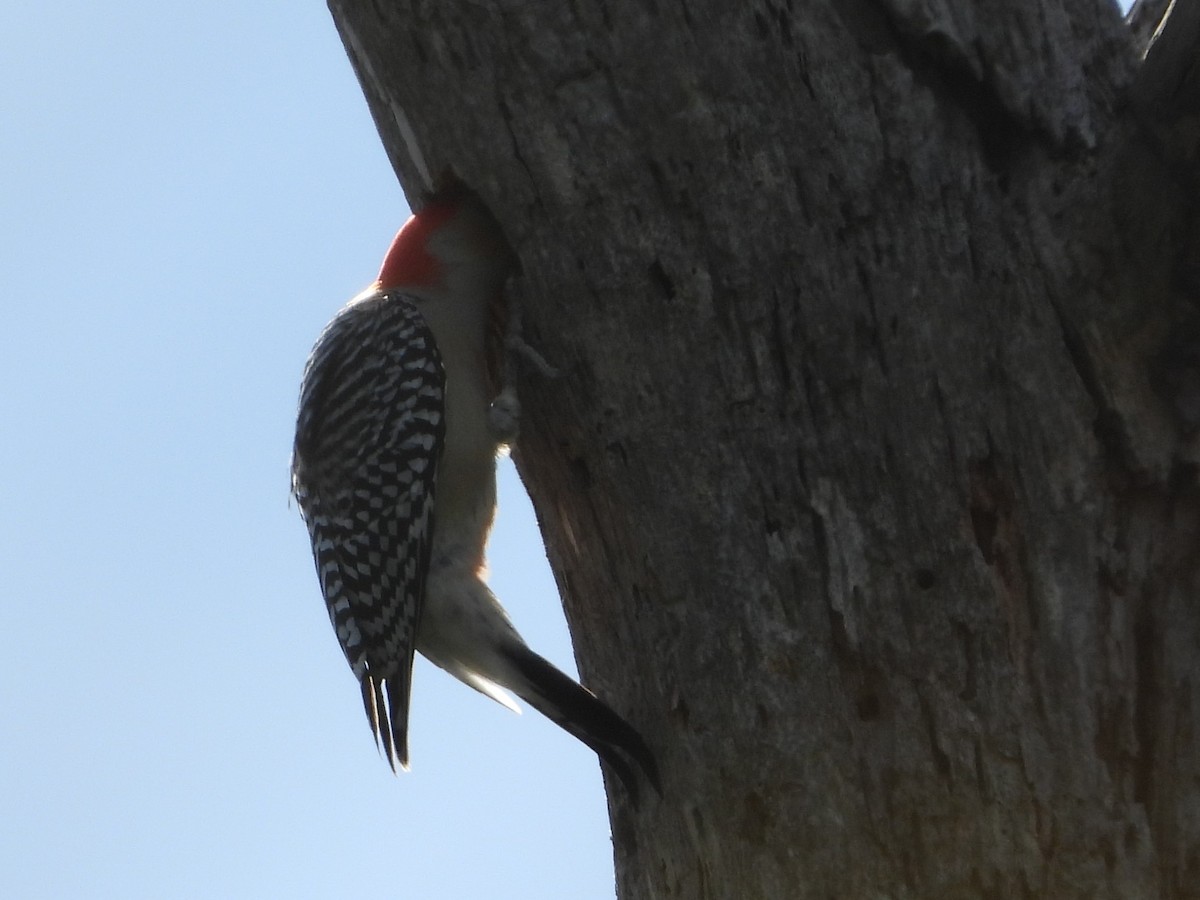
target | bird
[{"x": 400, "y": 420}]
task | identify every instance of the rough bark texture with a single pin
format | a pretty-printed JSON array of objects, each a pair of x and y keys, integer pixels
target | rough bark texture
[{"x": 871, "y": 482}]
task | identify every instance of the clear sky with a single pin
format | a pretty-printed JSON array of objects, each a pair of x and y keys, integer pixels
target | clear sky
[{"x": 188, "y": 192}]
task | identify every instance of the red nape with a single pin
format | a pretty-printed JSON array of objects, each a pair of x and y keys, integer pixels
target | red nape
[{"x": 408, "y": 262}]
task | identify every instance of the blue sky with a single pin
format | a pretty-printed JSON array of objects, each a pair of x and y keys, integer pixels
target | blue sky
[{"x": 188, "y": 193}]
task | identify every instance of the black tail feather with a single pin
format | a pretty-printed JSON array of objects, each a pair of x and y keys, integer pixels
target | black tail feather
[
  {"x": 388, "y": 718},
  {"x": 578, "y": 711}
]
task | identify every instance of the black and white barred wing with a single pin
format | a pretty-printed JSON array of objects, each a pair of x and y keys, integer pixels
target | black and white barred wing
[{"x": 364, "y": 466}]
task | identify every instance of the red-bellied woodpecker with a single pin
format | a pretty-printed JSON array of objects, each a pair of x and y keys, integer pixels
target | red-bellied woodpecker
[{"x": 394, "y": 469}]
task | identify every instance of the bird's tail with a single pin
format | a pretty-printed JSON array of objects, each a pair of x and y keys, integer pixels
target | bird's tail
[
  {"x": 578, "y": 711},
  {"x": 389, "y": 718}
]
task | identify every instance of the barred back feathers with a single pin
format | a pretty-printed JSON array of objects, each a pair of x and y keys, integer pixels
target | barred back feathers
[{"x": 364, "y": 472}]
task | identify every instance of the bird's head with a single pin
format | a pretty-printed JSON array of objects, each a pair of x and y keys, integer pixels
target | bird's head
[{"x": 453, "y": 244}]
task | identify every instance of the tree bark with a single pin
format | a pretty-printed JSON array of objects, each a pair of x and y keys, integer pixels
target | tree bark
[{"x": 870, "y": 482}]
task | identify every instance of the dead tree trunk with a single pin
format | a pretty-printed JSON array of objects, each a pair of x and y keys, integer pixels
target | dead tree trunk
[{"x": 871, "y": 482}]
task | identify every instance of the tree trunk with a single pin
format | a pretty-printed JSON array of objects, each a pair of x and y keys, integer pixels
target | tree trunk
[{"x": 870, "y": 482}]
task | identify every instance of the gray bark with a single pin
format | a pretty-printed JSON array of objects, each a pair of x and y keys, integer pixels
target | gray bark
[{"x": 870, "y": 483}]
